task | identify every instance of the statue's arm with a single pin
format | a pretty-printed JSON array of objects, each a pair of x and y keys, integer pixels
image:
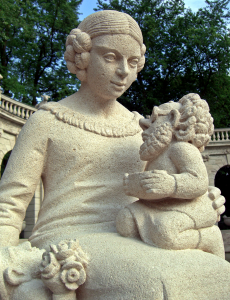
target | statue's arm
[
  {"x": 192, "y": 178},
  {"x": 21, "y": 177},
  {"x": 190, "y": 181}
]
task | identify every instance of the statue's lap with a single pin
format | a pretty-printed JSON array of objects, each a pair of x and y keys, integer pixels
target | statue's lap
[{"x": 123, "y": 268}]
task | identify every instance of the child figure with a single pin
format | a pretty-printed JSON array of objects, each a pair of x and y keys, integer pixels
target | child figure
[{"x": 173, "y": 210}]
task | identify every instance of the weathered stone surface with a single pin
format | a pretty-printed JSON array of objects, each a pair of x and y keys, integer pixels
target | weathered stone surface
[
  {"x": 174, "y": 211},
  {"x": 82, "y": 147}
]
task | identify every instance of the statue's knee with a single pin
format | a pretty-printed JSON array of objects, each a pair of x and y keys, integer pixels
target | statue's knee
[
  {"x": 125, "y": 224},
  {"x": 164, "y": 237}
]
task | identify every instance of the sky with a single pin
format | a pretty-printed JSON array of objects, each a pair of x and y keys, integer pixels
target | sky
[{"x": 87, "y": 6}]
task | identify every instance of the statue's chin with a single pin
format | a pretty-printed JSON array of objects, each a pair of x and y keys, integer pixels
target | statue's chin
[{"x": 146, "y": 156}]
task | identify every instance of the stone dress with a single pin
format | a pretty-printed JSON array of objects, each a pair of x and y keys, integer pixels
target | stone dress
[{"x": 82, "y": 164}]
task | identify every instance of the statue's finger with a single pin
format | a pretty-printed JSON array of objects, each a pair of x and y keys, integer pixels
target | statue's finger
[
  {"x": 147, "y": 181},
  {"x": 217, "y": 203},
  {"x": 148, "y": 186},
  {"x": 150, "y": 191},
  {"x": 213, "y": 192},
  {"x": 159, "y": 172},
  {"x": 221, "y": 210},
  {"x": 146, "y": 175}
]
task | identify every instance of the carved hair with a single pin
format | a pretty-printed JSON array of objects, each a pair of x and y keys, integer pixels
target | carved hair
[
  {"x": 194, "y": 124},
  {"x": 79, "y": 43}
]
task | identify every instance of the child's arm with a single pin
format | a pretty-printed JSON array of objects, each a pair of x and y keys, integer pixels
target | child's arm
[{"x": 190, "y": 182}]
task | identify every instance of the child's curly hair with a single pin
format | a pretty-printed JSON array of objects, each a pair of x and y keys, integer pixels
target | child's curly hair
[{"x": 195, "y": 124}]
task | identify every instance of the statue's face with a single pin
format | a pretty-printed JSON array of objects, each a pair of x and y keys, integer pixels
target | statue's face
[
  {"x": 149, "y": 125},
  {"x": 113, "y": 65}
]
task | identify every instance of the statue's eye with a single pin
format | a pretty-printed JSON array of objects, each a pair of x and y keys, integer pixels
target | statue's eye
[
  {"x": 110, "y": 57},
  {"x": 133, "y": 62}
]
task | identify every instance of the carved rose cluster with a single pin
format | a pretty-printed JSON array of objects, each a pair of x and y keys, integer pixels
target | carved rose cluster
[{"x": 65, "y": 263}]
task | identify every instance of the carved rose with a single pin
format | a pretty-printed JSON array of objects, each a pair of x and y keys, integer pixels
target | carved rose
[
  {"x": 49, "y": 266},
  {"x": 69, "y": 250},
  {"x": 63, "y": 268},
  {"x": 73, "y": 274}
]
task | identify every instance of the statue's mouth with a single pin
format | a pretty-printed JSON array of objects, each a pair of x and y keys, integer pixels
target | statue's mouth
[{"x": 120, "y": 84}]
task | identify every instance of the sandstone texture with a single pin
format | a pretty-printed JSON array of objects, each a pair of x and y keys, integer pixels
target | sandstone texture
[{"x": 81, "y": 147}]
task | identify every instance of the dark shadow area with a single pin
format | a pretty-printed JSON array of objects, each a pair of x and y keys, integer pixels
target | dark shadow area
[
  {"x": 222, "y": 181},
  {"x": 4, "y": 162}
]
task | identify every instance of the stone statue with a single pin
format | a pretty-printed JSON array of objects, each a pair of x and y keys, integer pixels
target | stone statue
[
  {"x": 44, "y": 101},
  {"x": 172, "y": 212},
  {"x": 81, "y": 147}
]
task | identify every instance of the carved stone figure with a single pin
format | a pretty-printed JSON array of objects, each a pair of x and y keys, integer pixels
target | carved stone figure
[
  {"x": 81, "y": 147},
  {"x": 172, "y": 212},
  {"x": 44, "y": 101}
]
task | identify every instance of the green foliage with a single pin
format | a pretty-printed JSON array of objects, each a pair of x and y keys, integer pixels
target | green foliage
[
  {"x": 32, "y": 42},
  {"x": 186, "y": 52}
]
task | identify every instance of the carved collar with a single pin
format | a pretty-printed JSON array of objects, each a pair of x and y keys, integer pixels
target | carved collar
[{"x": 76, "y": 119}]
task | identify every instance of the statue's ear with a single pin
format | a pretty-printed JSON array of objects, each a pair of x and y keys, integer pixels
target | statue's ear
[
  {"x": 15, "y": 277},
  {"x": 174, "y": 117},
  {"x": 144, "y": 123}
]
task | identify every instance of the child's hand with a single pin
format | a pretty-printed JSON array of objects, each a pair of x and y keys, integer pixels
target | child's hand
[
  {"x": 158, "y": 184},
  {"x": 218, "y": 200},
  {"x": 132, "y": 184}
]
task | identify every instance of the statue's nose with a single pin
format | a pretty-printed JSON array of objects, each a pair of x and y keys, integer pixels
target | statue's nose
[
  {"x": 123, "y": 69},
  {"x": 144, "y": 123}
]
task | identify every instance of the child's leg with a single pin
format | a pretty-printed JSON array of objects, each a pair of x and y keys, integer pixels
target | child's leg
[
  {"x": 174, "y": 230},
  {"x": 125, "y": 224},
  {"x": 211, "y": 241}
]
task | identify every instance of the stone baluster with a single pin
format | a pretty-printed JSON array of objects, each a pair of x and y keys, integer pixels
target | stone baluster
[
  {"x": 7, "y": 106},
  {"x": 218, "y": 136},
  {"x": 15, "y": 110},
  {"x": 11, "y": 108},
  {"x": 19, "y": 111},
  {"x": 3, "y": 103},
  {"x": 27, "y": 114},
  {"x": 23, "y": 113}
]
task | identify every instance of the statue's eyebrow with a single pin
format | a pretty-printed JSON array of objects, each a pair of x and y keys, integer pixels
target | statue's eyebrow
[{"x": 107, "y": 49}]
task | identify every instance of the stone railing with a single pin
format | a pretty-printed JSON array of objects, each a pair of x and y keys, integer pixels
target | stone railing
[
  {"x": 221, "y": 135},
  {"x": 16, "y": 108}
]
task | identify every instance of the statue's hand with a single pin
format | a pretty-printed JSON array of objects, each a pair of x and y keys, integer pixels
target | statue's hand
[
  {"x": 218, "y": 201},
  {"x": 157, "y": 184},
  {"x": 132, "y": 184}
]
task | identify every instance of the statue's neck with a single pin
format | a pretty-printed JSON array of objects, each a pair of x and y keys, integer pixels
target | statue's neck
[{"x": 91, "y": 105}]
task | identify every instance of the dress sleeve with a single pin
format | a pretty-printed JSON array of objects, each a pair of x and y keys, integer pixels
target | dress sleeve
[
  {"x": 192, "y": 177},
  {"x": 23, "y": 171}
]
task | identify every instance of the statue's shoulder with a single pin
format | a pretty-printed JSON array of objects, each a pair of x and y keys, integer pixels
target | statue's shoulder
[
  {"x": 185, "y": 150},
  {"x": 50, "y": 107},
  {"x": 38, "y": 120},
  {"x": 44, "y": 112}
]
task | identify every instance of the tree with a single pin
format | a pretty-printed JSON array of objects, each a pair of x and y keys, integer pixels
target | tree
[
  {"x": 186, "y": 52},
  {"x": 32, "y": 42}
]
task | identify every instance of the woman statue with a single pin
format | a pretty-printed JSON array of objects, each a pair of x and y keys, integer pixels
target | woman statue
[{"x": 81, "y": 147}]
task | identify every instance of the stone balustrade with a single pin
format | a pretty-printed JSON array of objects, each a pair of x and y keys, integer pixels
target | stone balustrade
[
  {"x": 16, "y": 108},
  {"x": 24, "y": 111},
  {"x": 221, "y": 135}
]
